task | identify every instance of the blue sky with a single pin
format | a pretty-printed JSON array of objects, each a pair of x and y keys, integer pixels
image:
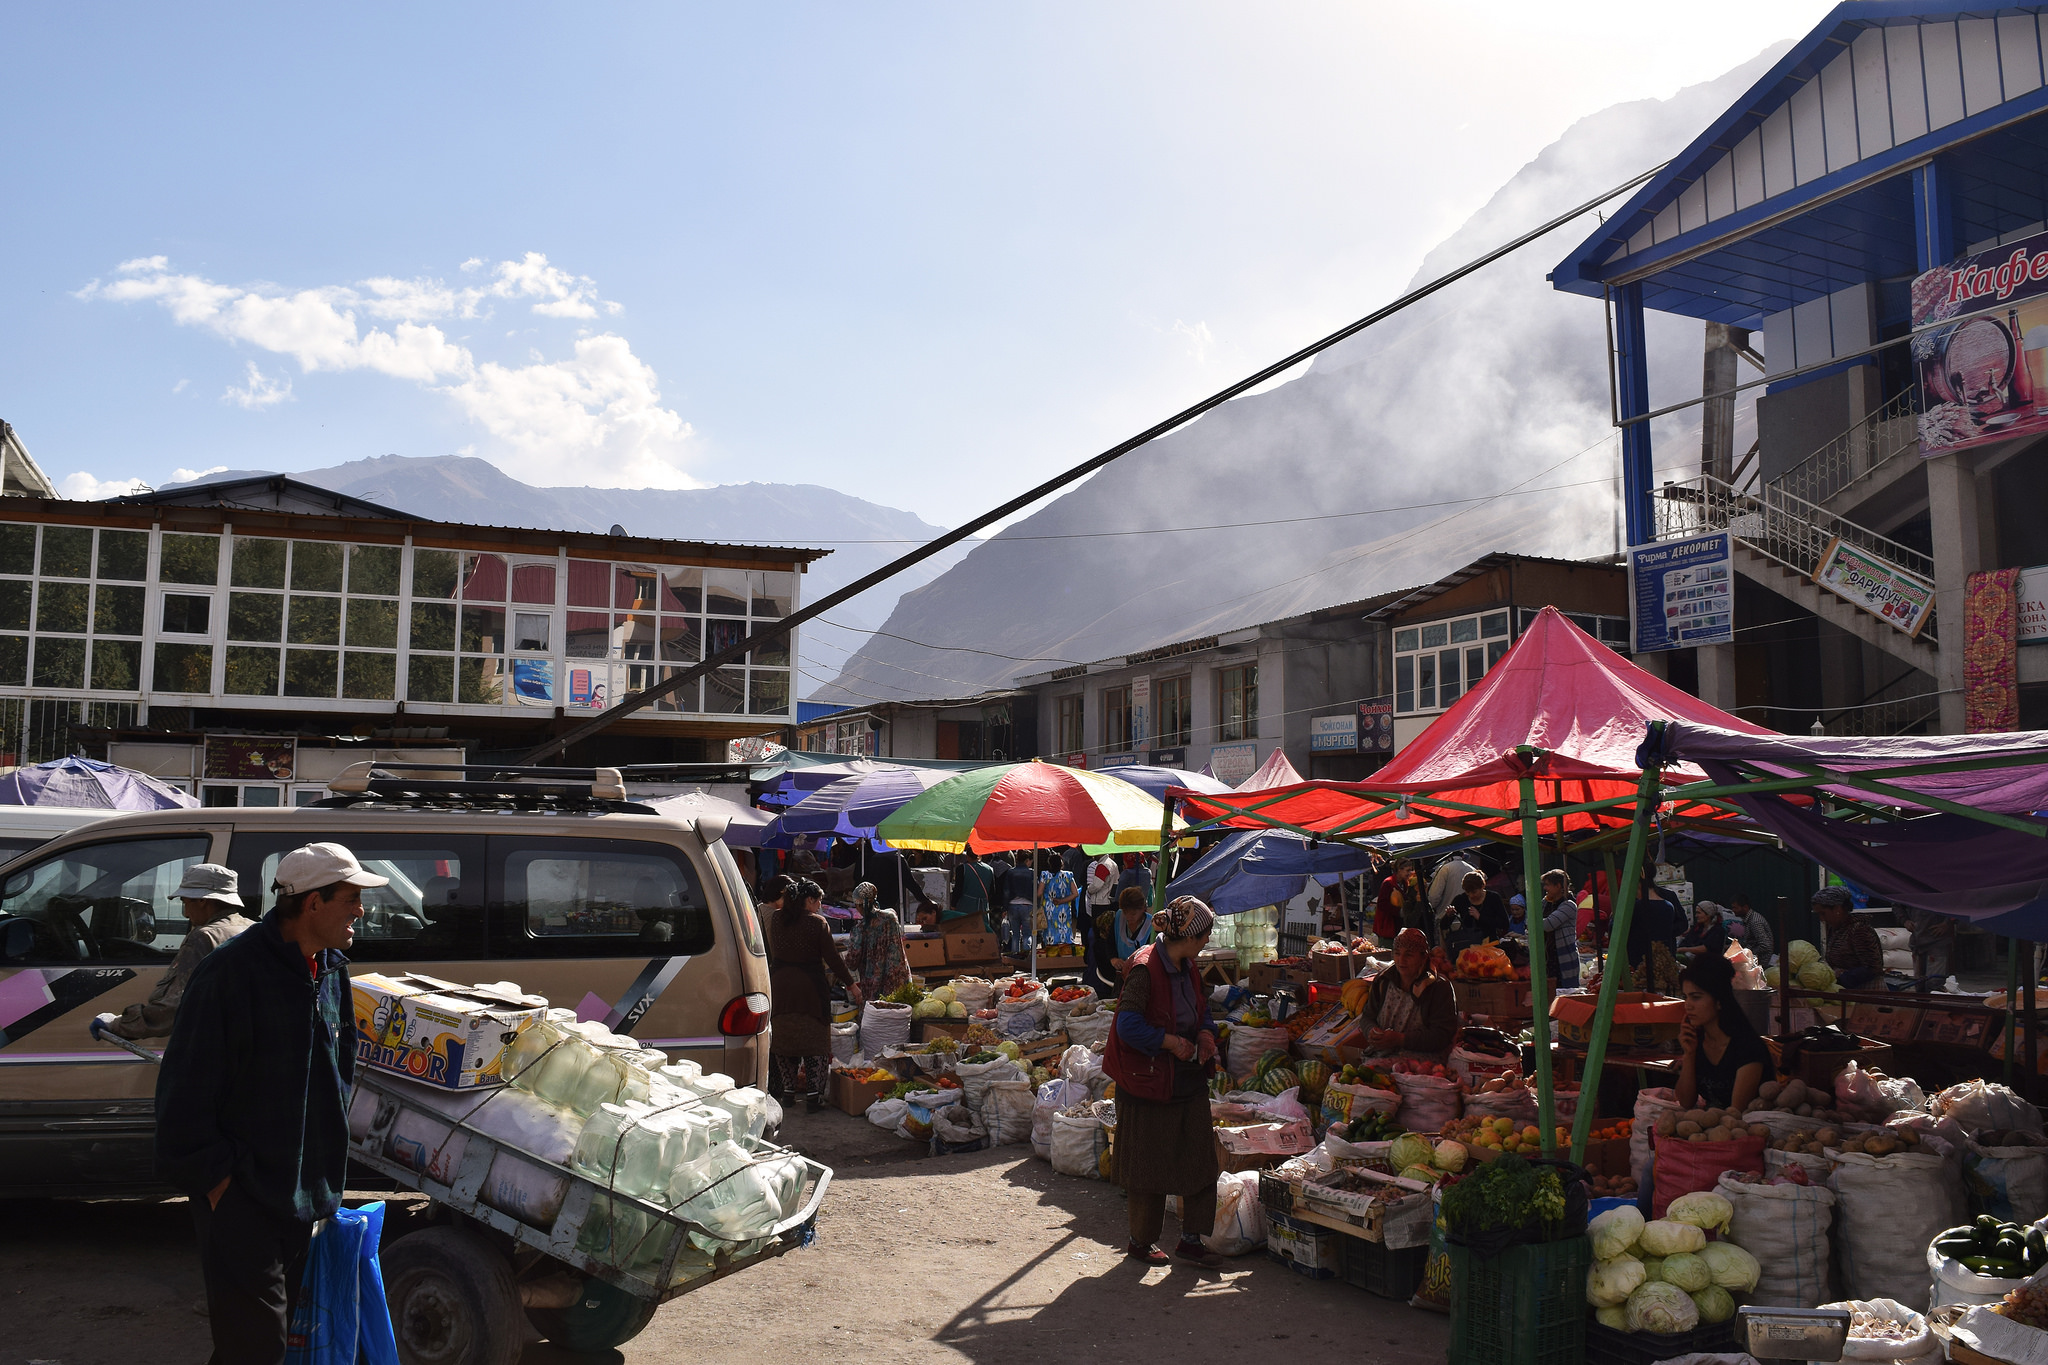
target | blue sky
[{"x": 927, "y": 254}]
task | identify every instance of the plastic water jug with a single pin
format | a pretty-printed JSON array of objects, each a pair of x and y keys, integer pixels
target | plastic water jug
[
  {"x": 561, "y": 1072},
  {"x": 683, "y": 1074},
  {"x": 643, "y": 1169},
  {"x": 749, "y": 1110},
  {"x": 733, "y": 1197},
  {"x": 598, "y": 1145},
  {"x": 599, "y": 1083},
  {"x": 713, "y": 1083},
  {"x": 528, "y": 1047}
]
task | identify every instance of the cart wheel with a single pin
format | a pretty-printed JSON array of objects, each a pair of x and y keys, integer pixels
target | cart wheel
[
  {"x": 452, "y": 1300},
  {"x": 603, "y": 1317}
]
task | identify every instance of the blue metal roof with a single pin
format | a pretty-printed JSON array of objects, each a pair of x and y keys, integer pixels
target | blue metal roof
[{"x": 1854, "y": 223}]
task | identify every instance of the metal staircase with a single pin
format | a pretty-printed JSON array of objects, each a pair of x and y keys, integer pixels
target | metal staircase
[{"x": 1865, "y": 457}]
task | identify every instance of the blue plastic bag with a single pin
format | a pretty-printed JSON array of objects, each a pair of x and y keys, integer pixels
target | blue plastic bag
[{"x": 341, "y": 1315}]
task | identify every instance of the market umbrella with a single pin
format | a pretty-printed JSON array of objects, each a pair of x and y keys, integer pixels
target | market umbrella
[
  {"x": 852, "y": 806},
  {"x": 1026, "y": 805},
  {"x": 1154, "y": 781},
  {"x": 745, "y": 825},
  {"x": 86, "y": 782}
]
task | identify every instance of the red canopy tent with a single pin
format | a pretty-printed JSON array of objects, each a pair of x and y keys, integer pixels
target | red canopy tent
[{"x": 1544, "y": 744}]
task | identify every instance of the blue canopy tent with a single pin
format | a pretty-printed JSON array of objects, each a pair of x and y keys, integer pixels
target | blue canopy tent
[{"x": 1254, "y": 868}]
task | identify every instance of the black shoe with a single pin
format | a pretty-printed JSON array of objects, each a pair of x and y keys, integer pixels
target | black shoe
[
  {"x": 1150, "y": 1255},
  {"x": 1195, "y": 1254},
  {"x": 812, "y": 1104}
]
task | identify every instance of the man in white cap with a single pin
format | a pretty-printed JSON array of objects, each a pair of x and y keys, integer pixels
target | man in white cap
[
  {"x": 252, "y": 1098},
  {"x": 212, "y": 917}
]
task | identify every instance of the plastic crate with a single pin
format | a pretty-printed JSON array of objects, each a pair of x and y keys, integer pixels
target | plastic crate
[
  {"x": 1275, "y": 1193},
  {"x": 1526, "y": 1306},
  {"x": 1605, "y": 1346},
  {"x": 1376, "y": 1270},
  {"x": 1305, "y": 1248}
]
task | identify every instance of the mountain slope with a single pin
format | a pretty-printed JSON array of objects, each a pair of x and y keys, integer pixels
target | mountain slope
[
  {"x": 1495, "y": 385},
  {"x": 862, "y": 535}
]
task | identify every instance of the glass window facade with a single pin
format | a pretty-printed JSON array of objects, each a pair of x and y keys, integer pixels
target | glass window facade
[
  {"x": 1440, "y": 661},
  {"x": 182, "y": 615}
]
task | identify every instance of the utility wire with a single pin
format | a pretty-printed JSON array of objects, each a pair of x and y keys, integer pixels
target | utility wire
[{"x": 647, "y": 697}]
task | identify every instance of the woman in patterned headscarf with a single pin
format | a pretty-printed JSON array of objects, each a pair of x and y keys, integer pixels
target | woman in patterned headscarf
[
  {"x": 874, "y": 946},
  {"x": 1160, "y": 1055}
]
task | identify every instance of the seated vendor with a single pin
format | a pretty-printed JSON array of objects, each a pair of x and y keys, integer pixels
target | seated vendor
[
  {"x": 1853, "y": 950},
  {"x": 1410, "y": 1011}
]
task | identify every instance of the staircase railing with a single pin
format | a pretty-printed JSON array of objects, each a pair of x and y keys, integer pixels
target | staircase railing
[
  {"x": 1778, "y": 525},
  {"x": 1887, "y": 434}
]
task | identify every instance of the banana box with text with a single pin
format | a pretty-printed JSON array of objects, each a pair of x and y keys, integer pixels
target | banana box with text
[{"x": 438, "y": 1032}]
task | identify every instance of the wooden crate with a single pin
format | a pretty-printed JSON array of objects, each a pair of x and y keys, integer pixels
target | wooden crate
[{"x": 1044, "y": 1051}]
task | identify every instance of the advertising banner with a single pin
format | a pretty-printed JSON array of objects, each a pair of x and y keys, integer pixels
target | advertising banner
[
  {"x": 239, "y": 758},
  {"x": 1884, "y": 590},
  {"x": 1333, "y": 734},
  {"x": 1376, "y": 726},
  {"x": 1682, "y": 593},
  {"x": 1985, "y": 377},
  {"x": 1231, "y": 764},
  {"x": 1141, "y": 707}
]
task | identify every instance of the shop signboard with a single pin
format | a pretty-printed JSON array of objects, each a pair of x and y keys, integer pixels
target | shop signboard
[
  {"x": 533, "y": 681},
  {"x": 1883, "y": 589},
  {"x": 239, "y": 758},
  {"x": 1333, "y": 734},
  {"x": 2032, "y": 590},
  {"x": 1682, "y": 593},
  {"x": 1178, "y": 758},
  {"x": 1231, "y": 764},
  {"x": 1981, "y": 347},
  {"x": 1124, "y": 760},
  {"x": 1376, "y": 726},
  {"x": 1077, "y": 760},
  {"x": 1141, "y": 706}
]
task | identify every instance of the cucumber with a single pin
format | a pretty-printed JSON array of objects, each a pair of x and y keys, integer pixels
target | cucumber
[
  {"x": 2037, "y": 1244},
  {"x": 1958, "y": 1247},
  {"x": 1979, "y": 1264},
  {"x": 1988, "y": 1222},
  {"x": 1965, "y": 1230},
  {"x": 2003, "y": 1269}
]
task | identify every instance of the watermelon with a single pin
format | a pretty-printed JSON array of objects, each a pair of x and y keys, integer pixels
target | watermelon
[
  {"x": 1315, "y": 1076},
  {"x": 1279, "y": 1080},
  {"x": 1269, "y": 1061}
]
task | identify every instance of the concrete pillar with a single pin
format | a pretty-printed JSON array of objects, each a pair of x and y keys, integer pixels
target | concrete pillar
[
  {"x": 1655, "y": 664},
  {"x": 1717, "y": 675},
  {"x": 1841, "y": 668},
  {"x": 1717, "y": 415},
  {"x": 1959, "y": 532}
]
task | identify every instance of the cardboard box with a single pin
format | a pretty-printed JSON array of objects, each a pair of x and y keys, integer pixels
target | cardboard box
[
  {"x": 1333, "y": 967},
  {"x": 1893, "y": 1023},
  {"x": 1642, "y": 1021},
  {"x": 853, "y": 1097},
  {"x": 1494, "y": 999},
  {"x": 924, "y": 950},
  {"x": 1310, "y": 1249},
  {"x": 928, "y": 1029},
  {"x": 435, "y": 1031},
  {"x": 1266, "y": 975},
  {"x": 1609, "y": 1156},
  {"x": 1818, "y": 1068},
  {"x": 980, "y": 947},
  {"x": 1960, "y": 1028}
]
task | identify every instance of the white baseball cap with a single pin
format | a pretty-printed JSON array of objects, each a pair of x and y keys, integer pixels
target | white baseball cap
[{"x": 318, "y": 865}]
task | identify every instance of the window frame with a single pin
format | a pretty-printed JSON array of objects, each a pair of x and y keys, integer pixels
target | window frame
[
  {"x": 1070, "y": 721},
  {"x": 1238, "y": 684},
  {"x": 510, "y": 936},
  {"x": 247, "y": 850},
  {"x": 1116, "y": 719},
  {"x": 150, "y": 956},
  {"x": 1174, "y": 698}
]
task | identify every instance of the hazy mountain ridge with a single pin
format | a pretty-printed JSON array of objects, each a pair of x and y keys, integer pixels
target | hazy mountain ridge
[{"x": 1477, "y": 390}]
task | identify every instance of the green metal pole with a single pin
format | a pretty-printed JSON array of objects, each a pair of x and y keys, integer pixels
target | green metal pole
[
  {"x": 1623, "y": 899},
  {"x": 1159, "y": 870},
  {"x": 1539, "y": 966},
  {"x": 2012, "y": 1003}
]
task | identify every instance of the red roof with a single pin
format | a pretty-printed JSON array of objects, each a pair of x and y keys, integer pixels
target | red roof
[{"x": 1558, "y": 690}]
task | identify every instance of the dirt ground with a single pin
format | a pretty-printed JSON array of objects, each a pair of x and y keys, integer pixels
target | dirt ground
[{"x": 988, "y": 1258}]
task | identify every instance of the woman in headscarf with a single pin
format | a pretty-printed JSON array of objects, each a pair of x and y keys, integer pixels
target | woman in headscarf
[
  {"x": 874, "y": 949},
  {"x": 1119, "y": 933},
  {"x": 1160, "y": 1055},
  {"x": 800, "y": 950},
  {"x": 1061, "y": 896}
]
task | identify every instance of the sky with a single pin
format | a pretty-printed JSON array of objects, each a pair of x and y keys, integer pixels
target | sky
[{"x": 924, "y": 254}]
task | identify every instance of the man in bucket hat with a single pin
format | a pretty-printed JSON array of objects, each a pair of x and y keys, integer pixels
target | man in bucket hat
[
  {"x": 212, "y": 917},
  {"x": 252, "y": 1098}
]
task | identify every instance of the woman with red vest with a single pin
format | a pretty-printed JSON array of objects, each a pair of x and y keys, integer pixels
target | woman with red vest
[{"x": 1160, "y": 1055}]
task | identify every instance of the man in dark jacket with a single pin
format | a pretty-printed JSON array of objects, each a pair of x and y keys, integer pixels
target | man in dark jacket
[{"x": 252, "y": 1099}]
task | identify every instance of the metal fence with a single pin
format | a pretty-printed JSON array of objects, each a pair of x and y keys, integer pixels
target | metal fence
[{"x": 1891, "y": 432}]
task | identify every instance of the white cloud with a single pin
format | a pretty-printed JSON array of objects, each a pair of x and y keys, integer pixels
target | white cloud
[
  {"x": 179, "y": 387},
  {"x": 83, "y": 487},
  {"x": 188, "y": 475},
  {"x": 1200, "y": 339},
  {"x": 598, "y": 412},
  {"x": 260, "y": 392}
]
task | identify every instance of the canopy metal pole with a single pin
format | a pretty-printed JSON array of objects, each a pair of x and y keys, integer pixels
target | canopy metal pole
[
  {"x": 1623, "y": 900},
  {"x": 1159, "y": 868},
  {"x": 1539, "y": 969},
  {"x": 1036, "y": 885},
  {"x": 2027, "y": 994},
  {"x": 2012, "y": 1000}
]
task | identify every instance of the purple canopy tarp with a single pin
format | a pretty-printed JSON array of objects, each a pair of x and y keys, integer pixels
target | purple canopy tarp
[
  {"x": 1950, "y": 864},
  {"x": 89, "y": 784}
]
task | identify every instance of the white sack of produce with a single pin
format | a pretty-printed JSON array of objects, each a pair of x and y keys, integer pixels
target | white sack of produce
[
  {"x": 1513, "y": 1103},
  {"x": 1887, "y": 1330},
  {"x": 972, "y": 992},
  {"x": 1981, "y": 1105},
  {"x": 1007, "y": 1111},
  {"x": 958, "y": 1126},
  {"x": 1427, "y": 1102},
  {"x": 1248, "y": 1044},
  {"x": 976, "y": 1077},
  {"x": 1090, "y": 1030},
  {"x": 1652, "y": 1103},
  {"x": 888, "y": 1115},
  {"x": 1240, "y": 1218},
  {"x": 2010, "y": 1183},
  {"x": 845, "y": 1042},
  {"x": 1785, "y": 1227},
  {"x": 1953, "y": 1282},
  {"x": 1019, "y": 1015},
  {"x": 1075, "y": 1146},
  {"x": 1898, "y": 960},
  {"x": 1887, "y": 1210},
  {"x": 883, "y": 1026},
  {"x": 1052, "y": 1097}
]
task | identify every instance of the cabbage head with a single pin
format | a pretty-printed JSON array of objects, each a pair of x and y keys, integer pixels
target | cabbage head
[
  {"x": 1800, "y": 952},
  {"x": 1617, "y": 1318},
  {"x": 1662, "y": 1237},
  {"x": 1662, "y": 1308},
  {"x": 1653, "y": 1266},
  {"x": 1687, "y": 1271},
  {"x": 1615, "y": 1231},
  {"x": 931, "y": 1007},
  {"x": 1010, "y": 1050},
  {"x": 944, "y": 993},
  {"x": 1410, "y": 1149},
  {"x": 1771, "y": 976},
  {"x": 1610, "y": 1282},
  {"x": 1702, "y": 1209},
  {"x": 1733, "y": 1268},
  {"x": 1817, "y": 976},
  {"x": 1449, "y": 1156},
  {"x": 1715, "y": 1303},
  {"x": 1424, "y": 1173},
  {"x": 956, "y": 1010}
]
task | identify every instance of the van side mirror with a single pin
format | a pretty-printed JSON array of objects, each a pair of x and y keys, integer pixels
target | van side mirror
[
  {"x": 14, "y": 885},
  {"x": 17, "y": 938}
]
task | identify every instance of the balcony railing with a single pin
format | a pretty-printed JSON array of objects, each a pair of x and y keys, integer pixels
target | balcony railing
[{"x": 1891, "y": 432}]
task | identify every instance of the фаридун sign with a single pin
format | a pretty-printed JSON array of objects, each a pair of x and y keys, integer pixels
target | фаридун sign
[{"x": 1881, "y": 588}]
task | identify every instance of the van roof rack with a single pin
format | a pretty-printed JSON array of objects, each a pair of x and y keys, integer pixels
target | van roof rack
[{"x": 495, "y": 786}]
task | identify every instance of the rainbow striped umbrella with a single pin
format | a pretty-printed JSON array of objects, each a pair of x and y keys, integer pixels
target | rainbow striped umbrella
[{"x": 1025, "y": 805}]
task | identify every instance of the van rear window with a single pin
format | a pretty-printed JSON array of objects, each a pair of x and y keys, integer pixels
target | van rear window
[{"x": 576, "y": 898}]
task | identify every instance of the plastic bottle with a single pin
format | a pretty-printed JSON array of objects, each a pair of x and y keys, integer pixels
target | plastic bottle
[
  {"x": 561, "y": 1073},
  {"x": 598, "y": 1145},
  {"x": 749, "y": 1110},
  {"x": 529, "y": 1045},
  {"x": 599, "y": 1084},
  {"x": 682, "y": 1073},
  {"x": 643, "y": 1169},
  {"x": 713, "y": 1083}
]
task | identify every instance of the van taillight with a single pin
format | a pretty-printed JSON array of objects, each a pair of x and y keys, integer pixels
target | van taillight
[{"x": 743, "y": 1015}]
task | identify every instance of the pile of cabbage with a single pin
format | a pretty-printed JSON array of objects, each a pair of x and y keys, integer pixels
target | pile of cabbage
[
  {"x": 1665, "y": 1276},
  {"x": 940, "y": 1004},
  {"x": 1807, "y": 968},
  {"x": 1416, "y": 1157}
]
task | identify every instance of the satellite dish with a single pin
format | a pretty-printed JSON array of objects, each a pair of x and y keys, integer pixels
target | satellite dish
[{"x": 617, "y": 529}]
